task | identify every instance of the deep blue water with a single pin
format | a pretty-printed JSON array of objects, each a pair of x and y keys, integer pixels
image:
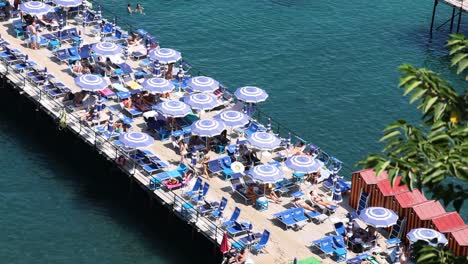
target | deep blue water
[{"x": 330, "y": 68}]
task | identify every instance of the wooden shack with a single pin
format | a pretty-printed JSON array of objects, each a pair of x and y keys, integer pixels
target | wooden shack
[
  {"x": 365, "y": 181},
  {"x": 458, "y": 241},
  {"x": 422, "y": 214},
  {"x": 385, "y": 191},
  {"x": 447, "y": 222}
]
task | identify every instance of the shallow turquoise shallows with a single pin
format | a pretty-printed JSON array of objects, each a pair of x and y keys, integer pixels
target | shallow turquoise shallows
[{"x": 330, "y": 68}]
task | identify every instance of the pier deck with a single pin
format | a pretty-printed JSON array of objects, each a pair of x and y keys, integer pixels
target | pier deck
[{"x": 283, "y": 246}]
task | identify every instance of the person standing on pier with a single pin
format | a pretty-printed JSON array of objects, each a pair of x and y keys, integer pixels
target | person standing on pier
[{"x": 33, "y": 35}]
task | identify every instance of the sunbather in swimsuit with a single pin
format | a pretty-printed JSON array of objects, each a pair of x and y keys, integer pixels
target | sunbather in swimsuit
[
  {"x": 299, "y": 202},
  {"x": 320, "y": 201}
]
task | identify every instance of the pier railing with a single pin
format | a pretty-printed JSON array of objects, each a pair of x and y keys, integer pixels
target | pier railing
[
  {"x": 259, "y": 115},
  {"x": 103, "y": 145}
]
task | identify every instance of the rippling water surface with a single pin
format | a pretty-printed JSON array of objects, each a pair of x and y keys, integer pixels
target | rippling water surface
[{"x": 330, "y": 68}]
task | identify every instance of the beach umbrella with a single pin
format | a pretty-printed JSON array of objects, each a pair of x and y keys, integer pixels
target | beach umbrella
[
  {"x": 99, "y": 105},
  {"x": 201, "y": 101},
  {"x": 158, "y": 85},
  {"x": 35, "y": 8},
  {"x": 224, "y": 244},
  {"x": 106, "y": 49},
  {"x": 136, "y": 140},
  {"x": 266, "y": 173},
  {"x": 302, "y": 164},
  {"x": 68, "y": 3},
  {"x": 233, "y": 118},
  {"x": 251, "y": 94},
  {"x": 173, "y": 108},
  {"x": 263, "y": 141},
  {"x": 202, "y": 84},
  {"x": 110, "y": 123},
  {"x": 90, "y": 82},
  {"x": 429, "y": 235},
  {"x": 378, "y": 217},
  {"x": 165, "y": 55},
  {"x": 207, "y": 127},
  {"x": 336, "y": 195}
]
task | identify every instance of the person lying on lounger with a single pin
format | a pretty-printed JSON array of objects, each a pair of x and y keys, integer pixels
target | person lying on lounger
[
  {"x": 299, "y": 202},
  {"x": 271, "y": 193},
  {"x": 172, "y": 181},
  {"x": 319, "y": 200}
]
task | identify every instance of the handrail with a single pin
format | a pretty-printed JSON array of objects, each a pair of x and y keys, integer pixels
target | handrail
[
  {"x": 260, "y": 115},
  {"x": 113, "y": 152}
]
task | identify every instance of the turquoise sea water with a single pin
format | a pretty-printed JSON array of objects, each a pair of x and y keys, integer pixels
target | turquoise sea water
[{"x": 330, "y": 68}]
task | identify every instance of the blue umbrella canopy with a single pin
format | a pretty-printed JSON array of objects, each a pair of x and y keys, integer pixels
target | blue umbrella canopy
[
  {"x": 158, "y": 85},
  {"x": 233, "y": 118},
  {"x": 251, "y": 94},
  {"x": 378, "y": 217},
  {"x": 202, "y": 84},
  {"x": 429, "y": 235},
  {"x": 263, "y": 141},
  {"x": 173, "y": 108},
  {"x": 207, "y": 127},
  {"x": 302, "y": 164},
  {"x": 136, "y": 140},
  {"x": 201, "y": 101},
  {"x": 266, "y": 173},
  {"x": 165, "y": 55},
  {"x": 68, "y": 3},
  {"x": 35, "y": 8},
  {"x": 107, "y": 49},
  {"x": 90, "y": 82}
]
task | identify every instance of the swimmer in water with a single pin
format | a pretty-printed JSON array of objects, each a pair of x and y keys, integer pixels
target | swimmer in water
[
  {"x": 139, "y": 8},
  {"x": 129, "y": 8}
]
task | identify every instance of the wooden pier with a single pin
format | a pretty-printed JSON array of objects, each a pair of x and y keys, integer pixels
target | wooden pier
[
  {"x": 458, "y": 8},
  {"x": 284, "y": 245}
]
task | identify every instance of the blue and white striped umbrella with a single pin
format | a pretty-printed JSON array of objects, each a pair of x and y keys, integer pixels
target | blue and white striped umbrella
[
  {"x": 207, "y": 127},
  {"x": 110, "y": 123},
  {"x": 68, "y": 3},
  {"x": 99, "y": 105},
  {"x": 336, "y": 196},
  {"x": 201, "y": 101},
  {"x": 263, "y": 141},
  {"x": 429, "y": 235},
  {"x": 35, "y": 8},
  {"x": 173, "y": 108},
  {"x": 90, "y": 82},
  {"x": 202, "y": 84},
  {"x": 136, "y": 140},
  {"x": 266, "y": 173},
  {"x": 302, "y": 164},
  {"x": 107, "y": 49},
  {"x": 165, "y": 55},
  {"x": 251, "y": 94},
  {"x": 378, "y": 217},
  {"x": 158, "y": 85},
  {"x": 233, "y": 118}
]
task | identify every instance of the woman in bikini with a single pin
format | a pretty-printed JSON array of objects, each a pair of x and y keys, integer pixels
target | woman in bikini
[
  {"x": 320, "y": 201},
  {"x": 299, "y": 202}
]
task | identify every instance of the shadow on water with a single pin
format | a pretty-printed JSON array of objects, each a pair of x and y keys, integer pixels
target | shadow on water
[{"x": 100, "y": 184}]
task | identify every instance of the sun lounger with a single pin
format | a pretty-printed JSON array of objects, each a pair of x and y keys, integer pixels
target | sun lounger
[
  {"x": 235, "y": 215},
  {"x": 325, "y": 245},
  {"x": 260, "y": 246},
  {"x": 338, "y": 242},
  {"x": 237, "y": 229},
  {"x": 218, "y": 213},
  {"x": 339, "y": 228},
  {"x": 286, "y": 217},
  {"x": 196, "y": 187},
  {"x": 200, "y": 196},
  {"x": 62, "y": 55}
]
